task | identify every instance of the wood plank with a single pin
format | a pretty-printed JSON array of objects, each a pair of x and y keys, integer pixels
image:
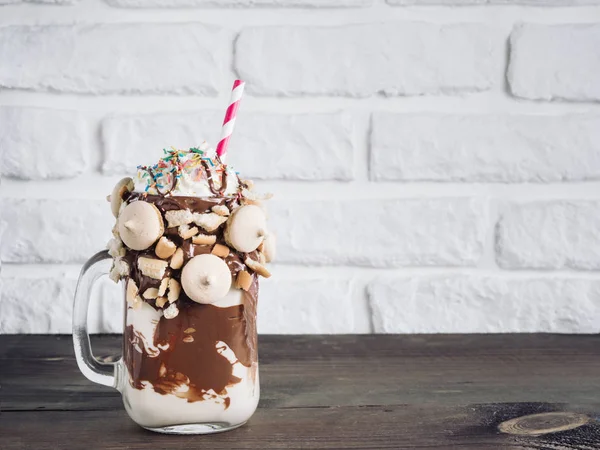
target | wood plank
[
  {"x": 39, "y": 372},
  {"x": 299, "y": 347},
  {"x": 331, "y": 392},
  {"x": 374, "y": 427},
  {"x": 341, "y": 427}
]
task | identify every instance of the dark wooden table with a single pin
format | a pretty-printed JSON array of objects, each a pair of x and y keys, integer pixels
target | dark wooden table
[{"x": 440, "y": 391}]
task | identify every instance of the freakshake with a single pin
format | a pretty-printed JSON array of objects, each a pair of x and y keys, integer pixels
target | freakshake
[{"x": 190, "y": 242}]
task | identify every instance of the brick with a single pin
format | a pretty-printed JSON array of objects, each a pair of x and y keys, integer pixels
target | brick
[
  {"x": 549, "y": 62},
  {"x": 39, "y": 144},
  {"x": 264, "y": 146},
  {"x": 45, "y": 2},
  {"x": 380, "y": 233},
  {"x": 54, "y": 230},
  {"x": 128, "y": 58},
  {"x": 495, "y": 2},
  {"x": 484, "y": 304},
  {"x": 52, "y": 2},
  {"x": 238, "y": 3},
  {"x": 305, "y": 306},
  {"x": 436, "y": 2},
  {"x": 550, "y": 235},
  {"x": 36, "y": 305},
  {"x": 546, "y": 2},
  {"x": 487, "y": 148},
  {"x": 407, "y": 58}
]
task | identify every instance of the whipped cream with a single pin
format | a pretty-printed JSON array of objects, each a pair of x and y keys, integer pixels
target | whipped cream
[{"x": 197, "y": 172}]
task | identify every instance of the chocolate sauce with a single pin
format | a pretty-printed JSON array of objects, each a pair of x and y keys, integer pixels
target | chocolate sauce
[
  {"x": 197, "y": 364},
  {"x": 194, "y": 204},
  {"x": 191, "y": 358}
]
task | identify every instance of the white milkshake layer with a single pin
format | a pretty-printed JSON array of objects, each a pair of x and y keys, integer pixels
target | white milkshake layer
[{"x": 153, "y": 410}]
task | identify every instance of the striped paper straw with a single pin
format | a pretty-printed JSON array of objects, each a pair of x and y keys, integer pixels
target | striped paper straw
[{"x": 229, "y": 121}]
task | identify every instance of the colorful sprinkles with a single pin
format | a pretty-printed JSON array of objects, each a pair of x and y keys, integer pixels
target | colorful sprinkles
[{"x": 165, "y": 176}]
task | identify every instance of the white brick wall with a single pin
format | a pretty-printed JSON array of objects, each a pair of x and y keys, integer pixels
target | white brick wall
[{"x": 427, "y": 180}]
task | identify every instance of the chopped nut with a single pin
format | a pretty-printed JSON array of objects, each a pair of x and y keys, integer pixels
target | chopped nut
[
  {"x": 115, "y": 230},
  {"x": 269, "y": 249},
  {"x": 162, "y": 289},
  {"x": 132, "y": 292},
  {"x": 177, "y": 259},
  {"x": 178, "y": 217},
  {"x": 261, "y": 258},
  {"x": 188, "y": 339},
  {"x": 210, "y": 222},
  {"x": 137, "y": 302},
  {"x": 150, "y": 293},
  {"x": 244, "y": 280},
  {"x": 153, "y": 268},
  {"x": 221, "y": 210},
  {"x": 189, "y": 330},
  {"x": 186, "y": 232},
  {"x": 161, "y": 301},
  {"x": 119, "y": 270},
  {"x": 165, "y": 248},
  {"x": 174, "y": 290},
  {"x": 249, "y": 184},
  {"x": 116, "y": 196},
  {"x": 258, "y": 203},
  {"x": 171, "y": 312},
  {"x": 162, "y": 371},
  {"x": 247, "y": 194},
  {"x": 220, "y": 250},
  {"x": 261, "y": 246},
  {"x": 115, "y": 248},
  {"x": 257, "y": 267},
  {"x": 204, "y": 239}
]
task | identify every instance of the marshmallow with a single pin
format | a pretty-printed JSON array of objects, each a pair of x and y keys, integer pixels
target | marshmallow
[
  {"x": 140, "y": 225},
  {"x": 206, "y": 278},
  {"x": 246, "y": 228}
]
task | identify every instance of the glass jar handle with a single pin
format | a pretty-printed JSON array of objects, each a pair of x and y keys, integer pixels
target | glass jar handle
[{"x": 94, "y": 370}]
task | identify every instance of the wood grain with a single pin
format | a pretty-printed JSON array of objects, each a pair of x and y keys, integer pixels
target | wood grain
[
  {"x": 299, "y": 371},
  {"x": 386, "y": 391}
]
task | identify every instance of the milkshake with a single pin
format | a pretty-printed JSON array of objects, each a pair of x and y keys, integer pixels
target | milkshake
[{"x": 189, "y": 243}]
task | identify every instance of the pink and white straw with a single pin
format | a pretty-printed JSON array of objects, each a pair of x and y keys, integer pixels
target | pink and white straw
[{"x": 229, "y": 121}]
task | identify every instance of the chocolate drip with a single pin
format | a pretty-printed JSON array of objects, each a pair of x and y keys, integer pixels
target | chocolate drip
[
  {"x": 211, "y": 182},
  {"x": 194, "y": 204},
  {"x": 224, "y": 180}
]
